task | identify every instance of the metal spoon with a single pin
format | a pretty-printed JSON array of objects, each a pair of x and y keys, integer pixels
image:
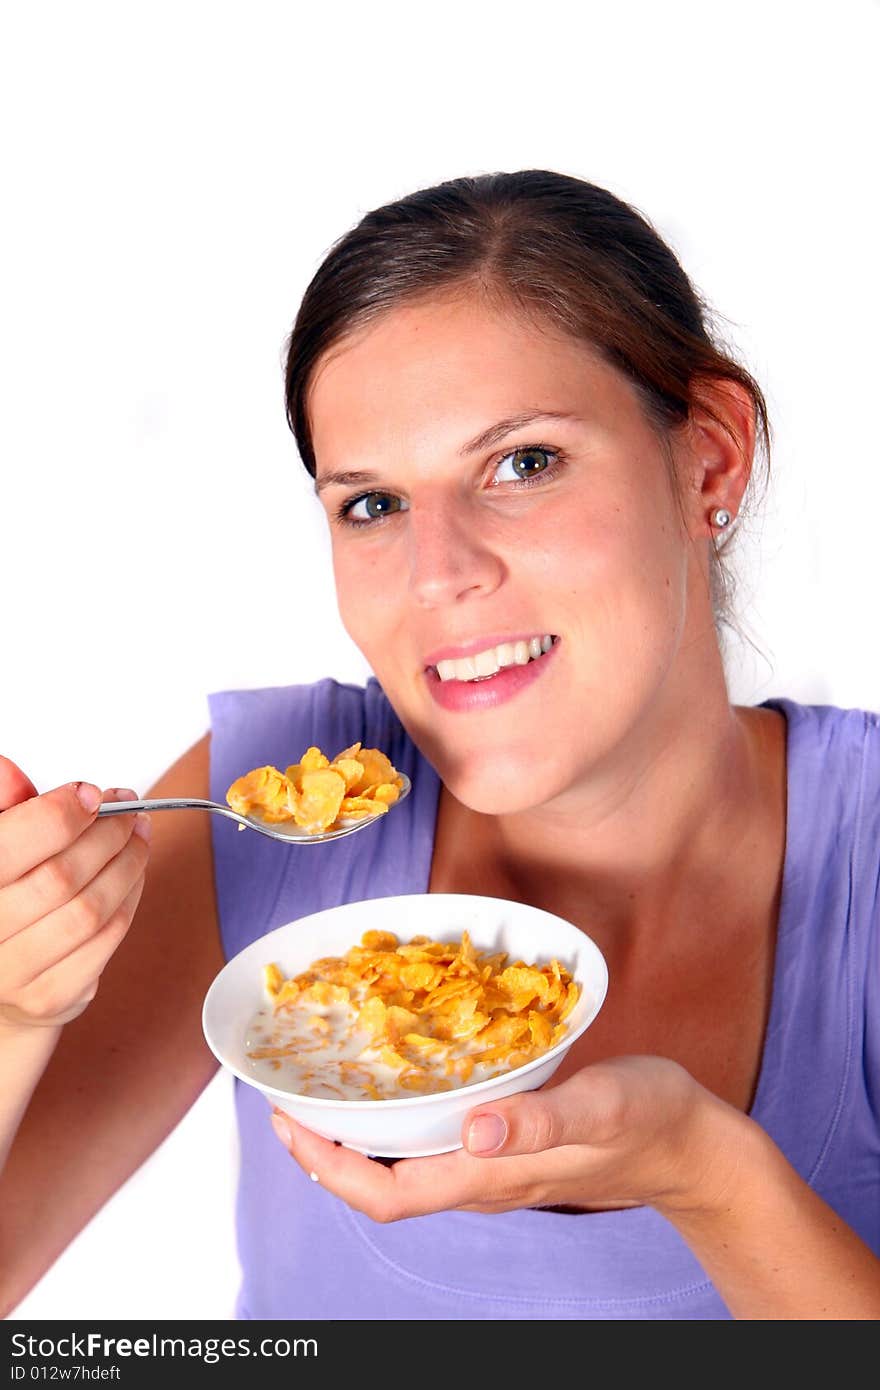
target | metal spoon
[{"x": 286, "y": 830}]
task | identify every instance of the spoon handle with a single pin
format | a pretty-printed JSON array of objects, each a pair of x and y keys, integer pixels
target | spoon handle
[
  {"x": 168, "y": 803},
  {"x": 192, "y": 803}
]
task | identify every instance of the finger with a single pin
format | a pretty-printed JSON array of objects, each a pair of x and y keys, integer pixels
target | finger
[
  {"x": 59, "y": 879},
  {"x": 349, "y": 1175},
  {"x": 42, "y": 945},
  {"x": 15, "y": 785},
  {"x": 573, "y": 1112},
  {"x": 412, "y": 1187},
  {"x": 41, "y": 826},
  {"x": 62, "y": 992}
]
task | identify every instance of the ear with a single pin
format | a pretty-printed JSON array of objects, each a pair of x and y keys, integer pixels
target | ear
[{"x": 721, "y": 450}]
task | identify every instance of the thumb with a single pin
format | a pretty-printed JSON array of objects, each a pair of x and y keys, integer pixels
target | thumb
[
  {"x": 530, "y": 1121},
  {"x": 15, "y": 785}
]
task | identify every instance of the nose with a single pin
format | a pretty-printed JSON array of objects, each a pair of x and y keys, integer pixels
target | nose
[{"x": 450, "y": 558}]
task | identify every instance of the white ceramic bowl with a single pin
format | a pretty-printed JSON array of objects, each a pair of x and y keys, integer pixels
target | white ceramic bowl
[{"x": 422, "y": 1124}]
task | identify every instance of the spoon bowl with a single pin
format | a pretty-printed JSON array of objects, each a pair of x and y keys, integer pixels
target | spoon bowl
[{"x": 284, "y": 830}]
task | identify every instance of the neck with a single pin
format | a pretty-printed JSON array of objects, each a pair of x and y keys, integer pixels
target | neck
[{"x": 691, "y": 817}]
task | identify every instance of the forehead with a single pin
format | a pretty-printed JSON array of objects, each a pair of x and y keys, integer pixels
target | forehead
[{"x": 445, "y": 365}]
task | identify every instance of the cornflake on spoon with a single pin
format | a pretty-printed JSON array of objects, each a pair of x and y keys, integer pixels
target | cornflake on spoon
[{"x": 318, "y": 794}]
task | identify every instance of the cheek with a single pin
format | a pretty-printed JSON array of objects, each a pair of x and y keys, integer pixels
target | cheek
[
  {"x": 616, "y": 574},
  {"x": 634, "y": 613},
  {"x": 619, "y": 594},
  {"x": 364, "y": 597}
]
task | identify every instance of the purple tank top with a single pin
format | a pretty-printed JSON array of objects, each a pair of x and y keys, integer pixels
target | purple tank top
[{"x": 306, "y": 1254}]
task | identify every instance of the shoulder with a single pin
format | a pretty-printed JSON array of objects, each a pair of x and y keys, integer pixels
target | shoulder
[
  {"x": 275, "y": 724},
  {"x": 828, "y": 721},
  {"x": 834, "y": 792},
  {"x": 278, "y": 702},
  {"x": 321, "y": 710},
  {"x": 834, "y": 747},
  {"x": 834, "y": 805}
]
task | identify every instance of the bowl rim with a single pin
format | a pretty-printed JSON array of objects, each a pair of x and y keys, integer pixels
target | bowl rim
[{"x": 373, "y": 1106}]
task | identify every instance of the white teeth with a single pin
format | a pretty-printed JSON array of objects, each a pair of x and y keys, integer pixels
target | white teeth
[
  {"x": 465, "y": 670},
  {"x": 487, "y": 663}
]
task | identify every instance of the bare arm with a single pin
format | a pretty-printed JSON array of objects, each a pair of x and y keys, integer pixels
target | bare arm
[
  {"x": 124, "y": 1072},
  {"x": 771, "y": 1246},
  {"x": 24, "y": 1056}
]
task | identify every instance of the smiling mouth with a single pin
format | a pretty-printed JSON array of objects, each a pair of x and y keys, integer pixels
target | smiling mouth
[{"x": 482, "y": 666}]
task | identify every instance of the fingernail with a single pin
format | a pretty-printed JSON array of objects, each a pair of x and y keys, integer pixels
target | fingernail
[
  {"x": 485, "y": 1133},
  {"x": 124, "y": 794},
  {"x": 89, "y": 795},
  {"x": 281, "y": 1127},
  {"x": 143, "y": 826}
]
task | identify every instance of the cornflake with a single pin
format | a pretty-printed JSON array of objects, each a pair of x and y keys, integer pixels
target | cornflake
[
  {"x": 318, "y": 794},
  {"x": 389, "y": 1019}
]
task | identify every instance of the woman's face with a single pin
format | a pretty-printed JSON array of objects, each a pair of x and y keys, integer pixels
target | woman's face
[{"x": 449, "y": 548}]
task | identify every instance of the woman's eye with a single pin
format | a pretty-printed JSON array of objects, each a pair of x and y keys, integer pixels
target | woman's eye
[
  {"x": 522, "y": 464},
  {"x": 373, "y": 506}
]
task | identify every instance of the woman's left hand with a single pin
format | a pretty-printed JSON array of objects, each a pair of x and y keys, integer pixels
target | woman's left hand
[{"x": 631, "y": 1131}]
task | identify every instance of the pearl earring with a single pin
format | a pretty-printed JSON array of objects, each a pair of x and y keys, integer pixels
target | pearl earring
[{"x": 721, "y": 517}]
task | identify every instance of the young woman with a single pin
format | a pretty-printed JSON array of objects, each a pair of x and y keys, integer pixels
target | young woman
[{"x": 522, "y": 433}]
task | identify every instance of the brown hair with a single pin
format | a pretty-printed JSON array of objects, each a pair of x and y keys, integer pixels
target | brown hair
[{"x": 554, "y": 246}]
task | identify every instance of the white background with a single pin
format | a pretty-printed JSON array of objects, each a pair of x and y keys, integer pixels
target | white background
[{"x": 173, "y": 173}]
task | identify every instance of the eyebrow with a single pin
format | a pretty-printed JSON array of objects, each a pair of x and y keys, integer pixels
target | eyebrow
[
  {"x": 514, "y": 422},
  {"x": 484, "y": 440},
  {"x": 349, "y": 478}
]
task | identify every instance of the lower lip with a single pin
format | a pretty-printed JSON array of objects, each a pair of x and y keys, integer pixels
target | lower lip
[{"x": 494, "y": 690}]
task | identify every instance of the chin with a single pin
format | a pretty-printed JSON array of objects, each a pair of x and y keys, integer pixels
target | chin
[
  {"x": 500, "y": 790},
  {"x": 501, "y": 772}
]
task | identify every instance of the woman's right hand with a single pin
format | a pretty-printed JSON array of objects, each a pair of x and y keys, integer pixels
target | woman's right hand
[{"x": 70, "y": 883}]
